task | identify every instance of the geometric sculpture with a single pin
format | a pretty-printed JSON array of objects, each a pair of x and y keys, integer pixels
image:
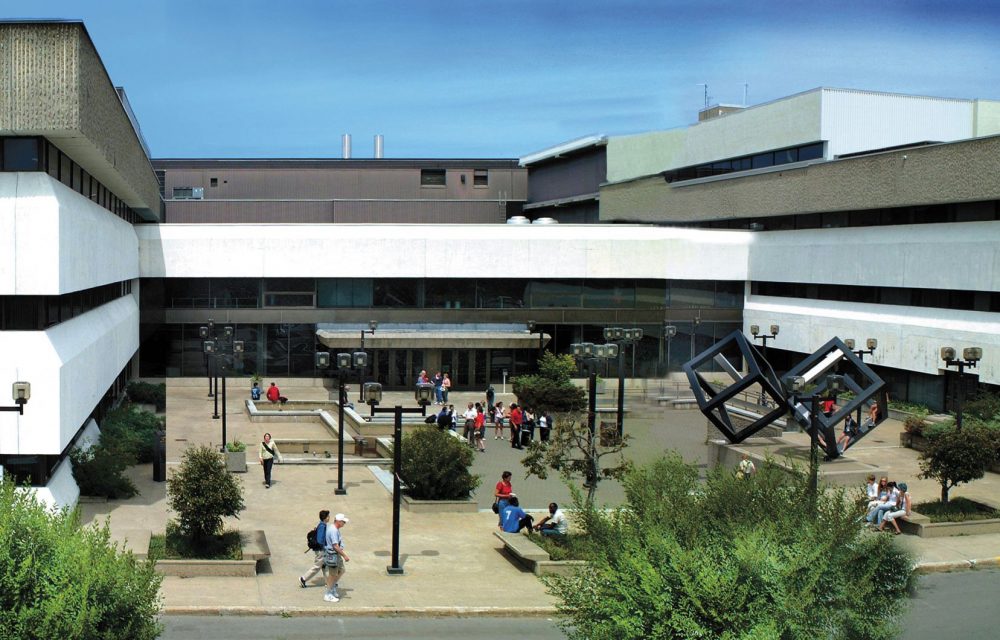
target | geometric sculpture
[
  {"x": 712, "y": 400},
  {"x": 858, "y": 378}
]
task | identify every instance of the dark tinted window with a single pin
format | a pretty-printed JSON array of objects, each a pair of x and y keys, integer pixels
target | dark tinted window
[
  {"x": 432, "y": 177},
  {"x": 21, "y": 154}
]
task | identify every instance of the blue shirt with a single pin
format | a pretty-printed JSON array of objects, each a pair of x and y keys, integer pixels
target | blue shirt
[{"x": 511, "y": 517}]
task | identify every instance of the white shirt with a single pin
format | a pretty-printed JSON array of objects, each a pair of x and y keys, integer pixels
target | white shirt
[
  {"x": 470, "y": 414},
  {"x": 559, "y": 522}
]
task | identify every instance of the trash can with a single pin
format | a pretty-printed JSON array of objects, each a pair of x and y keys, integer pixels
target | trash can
[
  {"x": 160, "y": 457},
  {"x": 359, "y": 447}
]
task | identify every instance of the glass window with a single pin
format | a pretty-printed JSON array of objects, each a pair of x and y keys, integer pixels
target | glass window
[
  {"x": 235, "y": 293},
  {"x": 729, "y": 294},
  {"x": 501, "y": 293},
  {"x": 786, "y": 156},
  {"x": 762, "y": 160},
  {"x": 449, "y": 294},
  {"x": 344, "y": 292},
  {"x": 432, "y": 178},
  {"x": 811, "y": 152},
  {"x": 65, "y": 169},
  {"x": 188, "y": 293},
  {"x": 397, "y": 292},
  {"x": 480, "y": 178},
  {"x": 555, "y": 293},
  {"x": 608, "y": 294},
  {"x": 650, "y": 294},
  {"x": 21, "y": 154},
  {"x": 686, "y": 294}
]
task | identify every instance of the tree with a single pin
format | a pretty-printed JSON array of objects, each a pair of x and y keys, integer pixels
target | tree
[
  {"x": 61, "y": 580},
  {"x": 552, "y": 389},
  {"x": 954, "y": 456},
  {"x": 201, "y": 492},
  {"x": 435, "y": 465},
  {"x": 733, "y": 559}
]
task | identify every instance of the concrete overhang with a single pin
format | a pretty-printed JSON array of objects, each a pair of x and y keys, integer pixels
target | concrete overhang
[{"x": 430, "y": 339}]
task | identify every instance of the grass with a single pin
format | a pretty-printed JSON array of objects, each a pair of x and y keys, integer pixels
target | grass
[
  {"x": 957, "y": 510},
  {"x": 570, "y": 547},
  {"x": 173, "y": 546}
]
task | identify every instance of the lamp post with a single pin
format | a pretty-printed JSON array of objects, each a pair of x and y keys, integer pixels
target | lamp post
[
  {"x": 372, "y": 325},
  {"x": 215, "y": 349},
  {"x": 590, "y": 355},
  {"x": 20, "y": 393},
  {"x": 757, "y": 335},
  {"x": 872, "y": 344},
  {"x": 621, "y": 337},
  {"x": 208, "y": 333},
  {"x": 669, "y": 331},
  {"x": 795, "y": 386},
  {"x": 346, "y": 363},
  {"x": 970, "y": 358},
  {"x": 372, "y": 394}
]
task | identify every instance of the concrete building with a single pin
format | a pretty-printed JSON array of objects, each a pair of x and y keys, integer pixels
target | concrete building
[{"x": 831, "y": 212}]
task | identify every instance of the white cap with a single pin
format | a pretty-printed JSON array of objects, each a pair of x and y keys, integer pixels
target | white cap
[{"x": 340, "y": 517}]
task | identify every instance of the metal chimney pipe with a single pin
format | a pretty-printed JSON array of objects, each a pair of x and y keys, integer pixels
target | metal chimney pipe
[
  {"x": 345, "y": 144},
  {"x": 379, "y": 144}
]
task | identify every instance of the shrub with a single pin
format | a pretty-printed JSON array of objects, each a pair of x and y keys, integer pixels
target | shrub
[
  {"x": 985, "y": 407},
  {"x": 132, "y": 432},
  {"x": 100, "y": 471},
  {"x": 956, "y": 510},
  {"x": 173, "y": 545},
  {"x": 63, "y": 581},
  {"x": 201, "y": 492},
  {"x": 914, "y": 425},
  {"x": 147, "y": 393},
  {"x": 954, "y": 456},
  {"x": 731, "y": 559},
  {"x": 435, "y": 465},
  {"x": 549, "y": 396},
  {"x": 236, "y": 446}
]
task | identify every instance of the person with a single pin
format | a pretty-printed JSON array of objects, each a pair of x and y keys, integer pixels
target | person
[
  {"x": 444, "y": 418},
  {"x": 850, "y": 431},
  {"x": 871, "y": 489},
  {"x": 273, "y": 394},
  {"x": 498, "y": 421},
  {"x": 480, "y": 428},
  {"x": 334, "y": 556},
  {"x": 445, "y": 387},
  {"x": 470, "y": 424},
  {"x": 554, "y": 524},
  {"x": 902, "y": 510},
  {"x": 876, "y": 513},
  {"x": 514, "y": 518},
  {"x": 255, "y": 391},
  {"x": 516, "y": 417},
  {"x": 438, "y": 381},
  {"x": 422, "y": 377},
  {"x": 527, "y": 426},
  {"x": 502, "y": 493},
  {"x": 491, "y": 395},
  {"x": 543, "y": 427},
  {"x": 318, "y": 564},
  {"x": 828, "y": 406},
  {"x": 880, "y": 494},
  {"x": 268, "y": 452},
  {"x": 873, "y": 415},
  {"x": 452, "y": 424},
  {"x": 746, "y": 468}
]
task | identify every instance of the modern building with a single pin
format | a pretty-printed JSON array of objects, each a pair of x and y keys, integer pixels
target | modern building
[{"x": 831, "y": 212}]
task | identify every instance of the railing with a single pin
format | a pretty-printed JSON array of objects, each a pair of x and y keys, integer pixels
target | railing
[{"x": 214, "y": 303}]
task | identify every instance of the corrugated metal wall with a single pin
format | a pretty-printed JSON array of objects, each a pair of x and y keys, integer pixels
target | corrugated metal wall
[
  {"x": 330, "y": 211},
  {"x": 576, "y": 176}
]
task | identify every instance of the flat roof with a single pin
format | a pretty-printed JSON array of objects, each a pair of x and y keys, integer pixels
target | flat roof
[{"x": 334, "y": 163}]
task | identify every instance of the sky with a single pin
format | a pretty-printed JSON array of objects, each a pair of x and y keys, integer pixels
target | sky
[{"x": 501, "y": 78}]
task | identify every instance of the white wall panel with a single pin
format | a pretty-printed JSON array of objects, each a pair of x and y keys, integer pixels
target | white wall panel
[
  {"x": 909, "y": 338},
  {"x": 55, "y": 241},
  {"x": 963, "y": 256},
  {"x": 70, "y": 366},
  {"x": 459, "y": 251}
]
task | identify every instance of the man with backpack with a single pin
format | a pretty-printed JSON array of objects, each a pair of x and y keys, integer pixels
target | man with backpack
[{"x": 315, "y": 539}]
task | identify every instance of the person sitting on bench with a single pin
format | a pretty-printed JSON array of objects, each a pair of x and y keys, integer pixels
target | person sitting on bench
[
  {"x": 514, "y": 517},
  {"x": 554, "y": 524}
]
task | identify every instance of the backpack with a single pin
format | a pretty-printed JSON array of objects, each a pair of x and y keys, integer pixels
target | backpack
[{"x": 312, "y": 538}]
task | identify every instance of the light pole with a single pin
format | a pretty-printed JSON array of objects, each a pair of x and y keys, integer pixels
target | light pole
[
  {"x": 20, "y": 393},
  {"x": 346, "y": 363},
  {"x": 757, "y": 335},
  {"x": 372, "y": 394},
  {"x": 372, "y": 325},
  {"x": 872, "y": 344},
  {"x": 590, "y": 355},
  {"x": 970, "y": 358},
  {"x": 621, "y": 337},
  {"x": 795, "y": 386},
  {"x": 214, "y": 349},
  {"x": 669, "y": 331}
]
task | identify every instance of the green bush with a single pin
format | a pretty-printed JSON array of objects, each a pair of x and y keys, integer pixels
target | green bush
[
  {"x": 131, "y": 431},
  {"x": 173, "y": 545},
  {"x": 148, "y": 393},
  {"x": 734, "y": 559},
  {"x": 435, "y": 465},
  {"x": 918, "y": 410},
  {"x": 985, "y": 407},
  {"x": 549, "y": 396},
  {"x": 954, "y": 456},
  {"x": 236, "y": 446},
  {"x": 201, "y": 492},
  {"x": 914, "y": 425},
  {"x": 956, "y": 510},
  {"x": 63, "y": 581},
  {"x": 100, "y": 471}
]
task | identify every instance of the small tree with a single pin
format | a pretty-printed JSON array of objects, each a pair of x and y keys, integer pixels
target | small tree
[
  {"x": 61, "y": 580},
  {"x": 435, "y": 465},
  {"x": 201, "y": 492},
  {"x": 955, "y": 456}
]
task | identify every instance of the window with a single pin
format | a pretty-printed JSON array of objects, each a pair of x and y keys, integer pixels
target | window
[
  {"x": 811, "y": 152},
  {"x": 161, "y": 179},
  {"x": 432, "y": 178},
  {"x": 188, "y": 193},
  {"x": 762, "y": 160},
  {"x": 214, "y": 182},
  {"x": 21, "y": 154},
  {"x": 289, "y": 292},
  {"x": 480, "y": 178}
]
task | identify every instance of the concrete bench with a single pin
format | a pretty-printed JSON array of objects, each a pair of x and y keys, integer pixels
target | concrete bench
[
  {"x": 254, "y": 545},
  {"x": 526, "y": 552}
]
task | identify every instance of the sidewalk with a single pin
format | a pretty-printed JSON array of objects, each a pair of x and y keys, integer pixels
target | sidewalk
[{"x": 453, "y": 564}]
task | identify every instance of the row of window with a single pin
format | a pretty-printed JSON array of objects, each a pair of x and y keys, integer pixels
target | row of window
[
  {"x": 37, "y": 313},
  {"x": 38, "y": 154},
  {"x": 903, "y": 296},
  {"x": 439, "y": 178},
  {"x": 439, "y": 293},
  {"x": 762, "y": 160}
]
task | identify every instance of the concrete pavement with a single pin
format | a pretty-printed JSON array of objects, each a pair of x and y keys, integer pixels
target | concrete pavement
[{"x": 453, "y": 564}]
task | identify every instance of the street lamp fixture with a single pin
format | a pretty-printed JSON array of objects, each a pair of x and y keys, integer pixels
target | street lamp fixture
[
  {"x": 372, "y": 325},
  {"x": 970, "y": 358},
  {"x": 795, "y": 388},
  {"x": 346, "y": 364},
  {"x": 757, "y": 335},
  {"x": 590, "y": 355},
  {"x": 215, "y": 347},
  {"x": 20, "y": 393},
  {"x": 618, "y": 337}
]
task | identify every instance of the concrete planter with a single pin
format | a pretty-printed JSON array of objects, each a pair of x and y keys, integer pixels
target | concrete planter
[
  {"x": 919, "y": 524},
  {"x": 236, "y": 461},
  {"x": 254, "y": 547},
  {"x": 439, "y": 506},
  {"x": 913, "y": 441},
  {"x": 558, "y": 567}
]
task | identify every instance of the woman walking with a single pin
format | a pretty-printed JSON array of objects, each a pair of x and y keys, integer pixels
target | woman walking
[{"x": 268, "y": 452}]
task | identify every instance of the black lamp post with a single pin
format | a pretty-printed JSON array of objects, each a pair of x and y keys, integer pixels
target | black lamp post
[
  {"x": 757, "y": 335},
  {"x": 621, "y": 337},
  {"x": 215, "y": 349},
  {"x": 669, "y": 331},
  {"x": 20, "y": 392},
  {"x": 970, "y": 358},
  {"x": 372, "y": 325},
  {"x": 346, "y": 363},
  {"x": 372, "y": 394},
  {"x": 795, "y": 386},
  {"x": 872, "y": 344},
  {"x": 590, "y": 355}
]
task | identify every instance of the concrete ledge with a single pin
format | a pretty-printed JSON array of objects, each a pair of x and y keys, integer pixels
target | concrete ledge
[
  {"x": 558, "y": 567},
  {"x": 254, "y": 547},
  {"x": 522, "y": 549},
  {"x": 348, "y": 610},
  {"x": 439, "y": 506},
  {"x": 923, "y": 527}
]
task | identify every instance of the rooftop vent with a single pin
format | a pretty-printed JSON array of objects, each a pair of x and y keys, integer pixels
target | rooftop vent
[{"x": 518, "y": 220}]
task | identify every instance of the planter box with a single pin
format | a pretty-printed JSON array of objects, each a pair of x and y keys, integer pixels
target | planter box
[
  {"x": 919, "y": 524},
  {"x": 912, "y": 441},
  {"x": 255, "y": 548},
  {"x": 236, "y": 461},
  {"x": 440, "y": 506}
]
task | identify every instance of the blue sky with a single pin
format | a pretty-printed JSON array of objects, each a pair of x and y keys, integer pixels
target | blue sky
[{"x": 488, "y": 78}]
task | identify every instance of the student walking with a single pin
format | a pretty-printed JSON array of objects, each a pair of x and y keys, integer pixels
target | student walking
[
  {"x": 268, "y": 452},
  {"x": 318, "y": 564},
  {"x": 334, "y": 558}
]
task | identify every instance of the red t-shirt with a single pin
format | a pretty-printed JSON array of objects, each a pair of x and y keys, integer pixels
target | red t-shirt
[
  {"x": 826, "y": 405},
  {"x": 503, "y": 489},
  {"x": 516, "y": 417},
  {"x": 273, "y": 394}
]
